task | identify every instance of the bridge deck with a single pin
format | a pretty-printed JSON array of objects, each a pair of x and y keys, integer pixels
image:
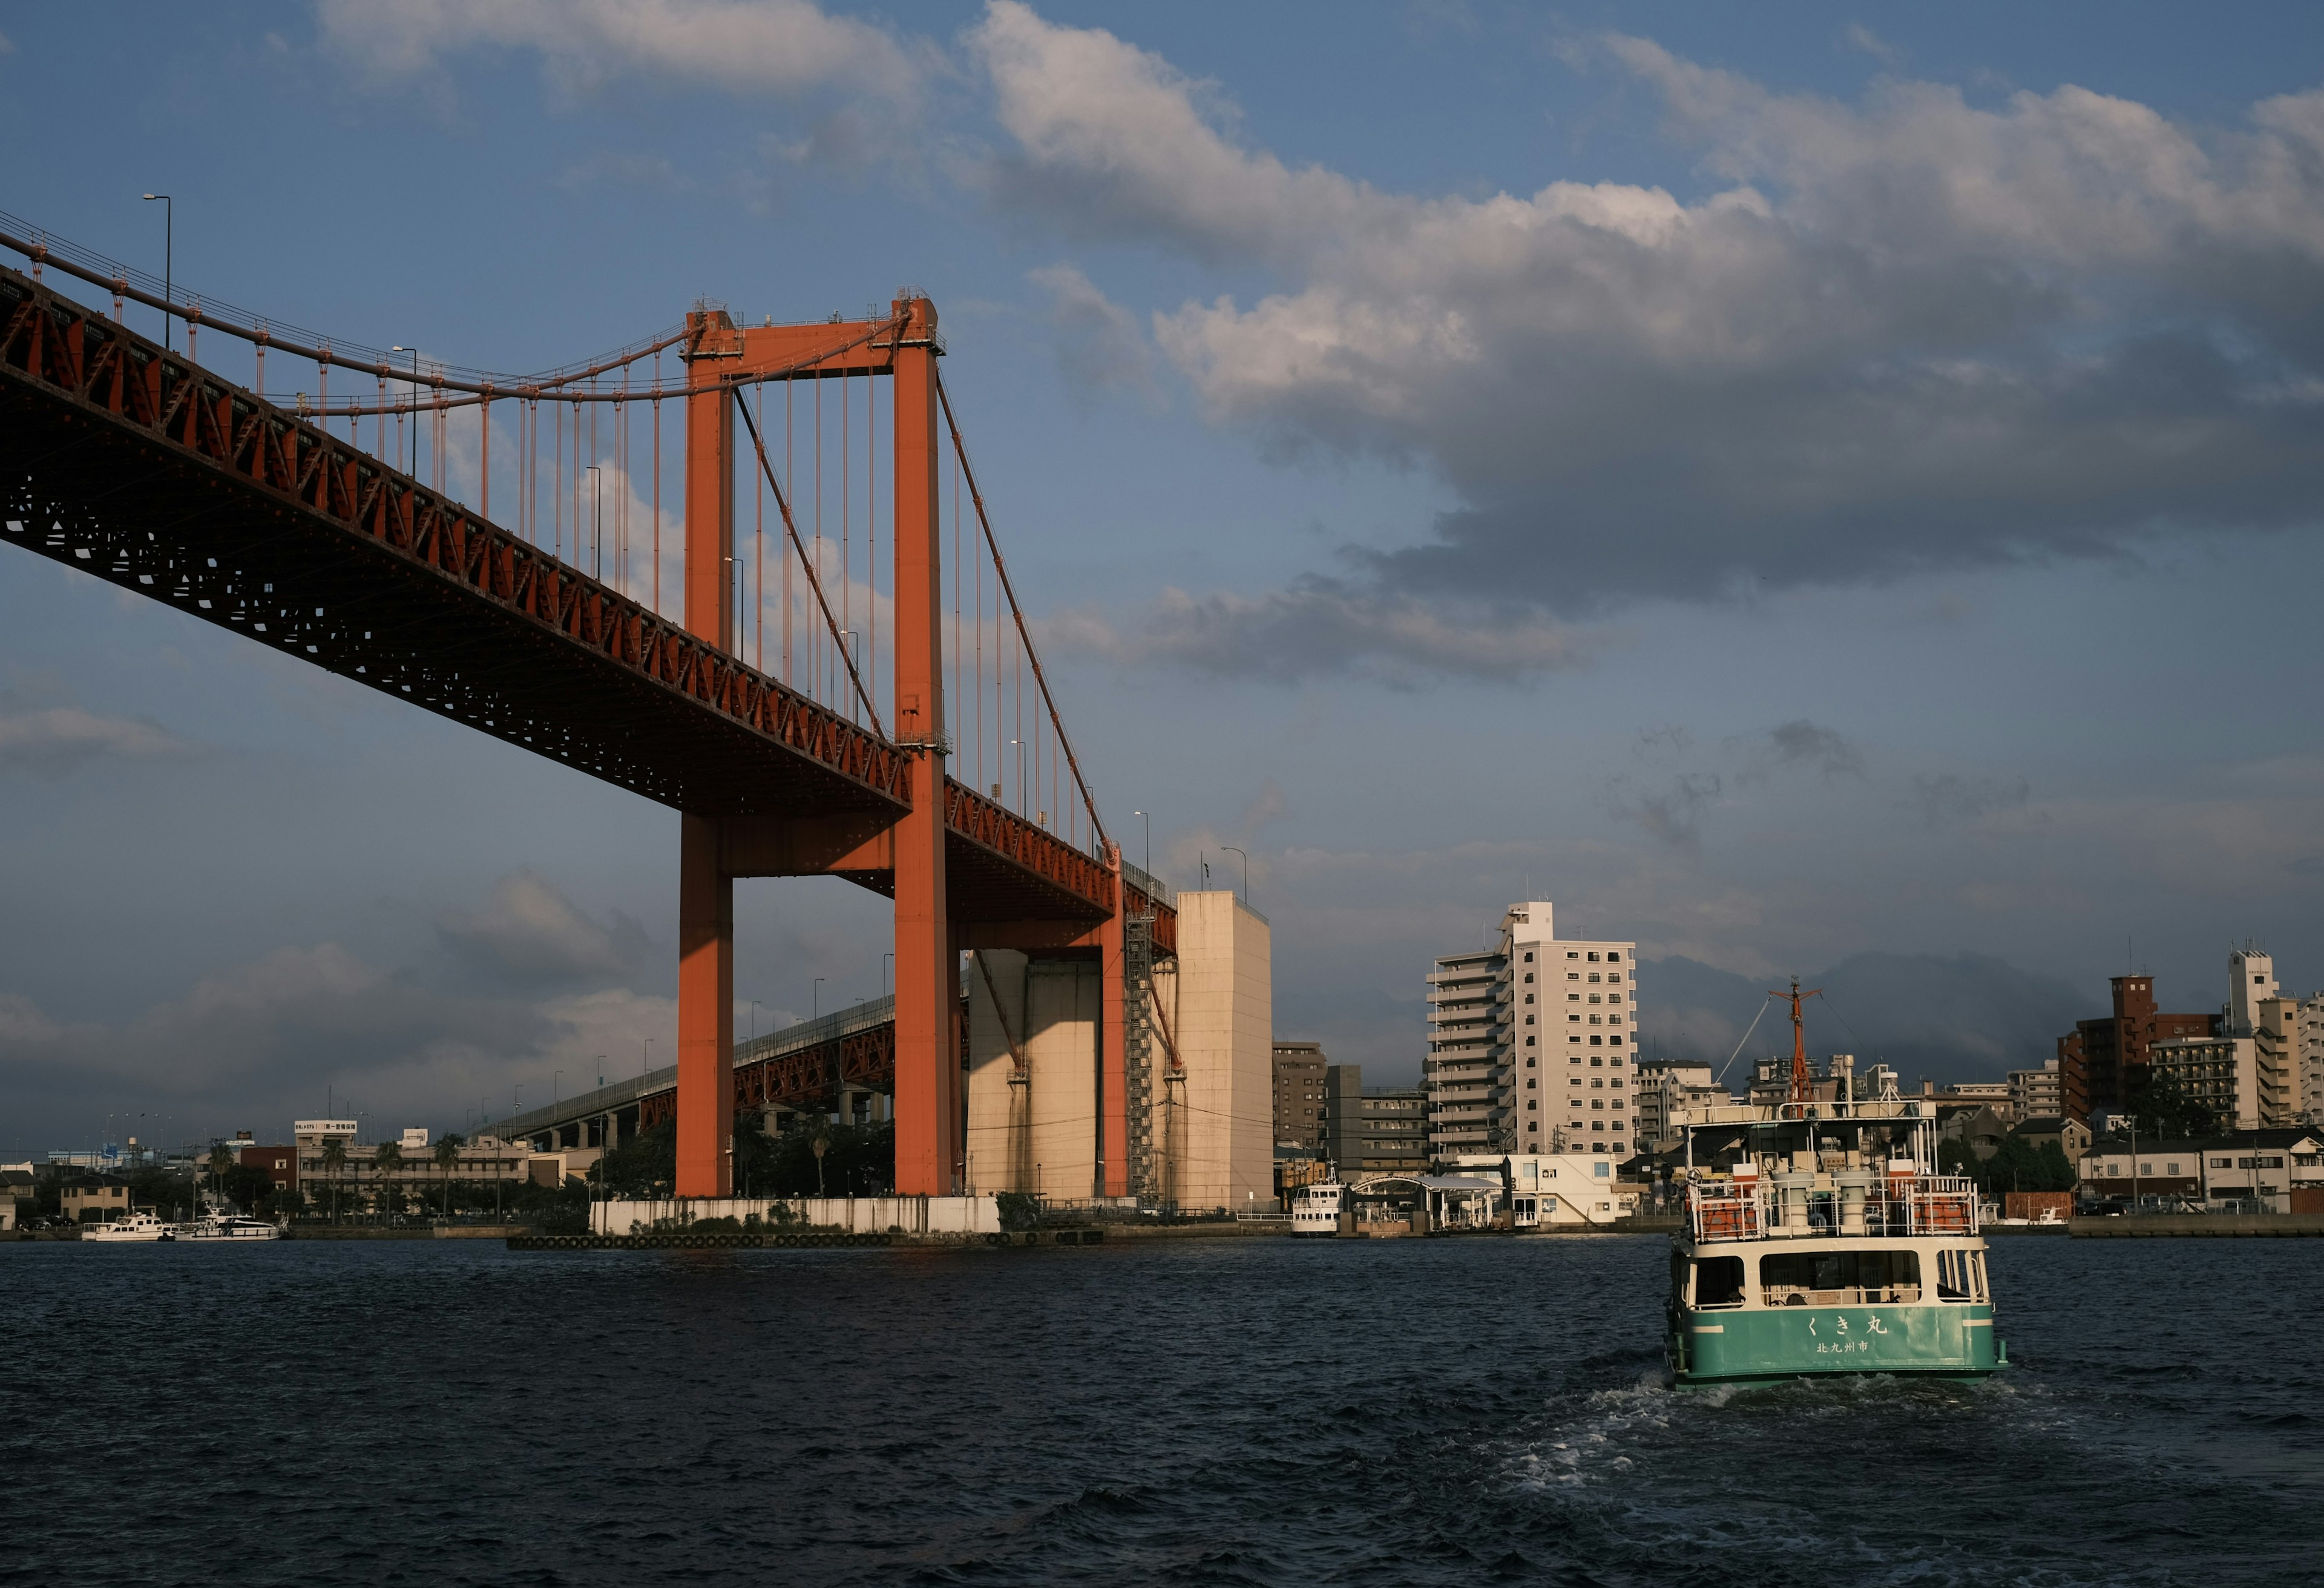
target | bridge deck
[{"x": 124, "y": 460}]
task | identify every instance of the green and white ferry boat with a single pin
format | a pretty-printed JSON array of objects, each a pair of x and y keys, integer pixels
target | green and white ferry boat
[{"x": 1824, "y": 1245}]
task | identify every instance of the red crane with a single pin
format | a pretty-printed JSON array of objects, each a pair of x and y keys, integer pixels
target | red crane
[{"x": 1799, "y": 1091}]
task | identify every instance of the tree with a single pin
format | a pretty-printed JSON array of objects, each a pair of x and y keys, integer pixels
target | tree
[
  {"x": 335, "y": 1163},
  {"x": 2160, "y": 1106},
  {"x": 221, "y": 1160},
  {"x": 247, "y": 1186},
  {"x": 447, "y": 1158},
  {"x": 386, "y": 1160},
  {"x": 646, "y": 1166}
]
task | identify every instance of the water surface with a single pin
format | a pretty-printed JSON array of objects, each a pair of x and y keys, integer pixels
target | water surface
[{"x": 1202, "y": 1412}]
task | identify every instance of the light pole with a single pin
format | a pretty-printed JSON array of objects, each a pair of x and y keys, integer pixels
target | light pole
[
  {"x": 886, "y": 960},
  {"x": 411, "y": 404},
  {"x": 754, "y": 1019},
  {"x": 601, "y": 1072},
  {"x": 817, "y": 994},
  {"x": 1021, "y": 775},
  {"x": 1145, "y": 825},
  {"x": 556, "y": 1079},
  {"x": 1231, "y": 849},
  {"x": 168, "y": 243}
]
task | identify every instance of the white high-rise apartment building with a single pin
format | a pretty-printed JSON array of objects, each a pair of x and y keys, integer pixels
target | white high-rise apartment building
[
  {"x": 1533, "y": 1044},
  {"x": 2265, "y": 1024},
  {"x": 2310, "y": 1023}
]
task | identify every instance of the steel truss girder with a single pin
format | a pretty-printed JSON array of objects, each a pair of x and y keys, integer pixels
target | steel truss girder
[{"x": 127, "y": 462}]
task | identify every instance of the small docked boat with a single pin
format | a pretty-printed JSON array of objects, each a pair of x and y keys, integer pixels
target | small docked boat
[
  {"x": 220, "y": 1226},
  {"x": 140, "y": 1225},
  {"x": 1316, "y": 1210},
  {"x": 1818, "y": 1240}
]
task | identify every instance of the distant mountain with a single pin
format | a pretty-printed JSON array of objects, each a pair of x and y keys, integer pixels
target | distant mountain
[{"x": 1968, "y": 1016}]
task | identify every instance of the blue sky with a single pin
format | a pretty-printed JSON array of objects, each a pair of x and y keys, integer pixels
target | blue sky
[{"x": 1783, "y": 484}]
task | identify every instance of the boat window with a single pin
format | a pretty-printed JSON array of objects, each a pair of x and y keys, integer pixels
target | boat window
[
  {"x": 1718, "y": 1281},
  {"x": 1960, "y": 1275},
  {"x": 1839, "y": 1278}
]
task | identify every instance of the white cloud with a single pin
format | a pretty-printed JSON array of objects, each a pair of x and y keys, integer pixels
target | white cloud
[
  {"x": 52, "y": 741},
  {"x": 528, "y": 929},
  {"x": 740, "y": 46},
  {"x": 1903, "y": 334}
]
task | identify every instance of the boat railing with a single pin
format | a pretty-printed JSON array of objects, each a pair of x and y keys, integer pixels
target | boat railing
[{"x": 1751, "y": 1210}]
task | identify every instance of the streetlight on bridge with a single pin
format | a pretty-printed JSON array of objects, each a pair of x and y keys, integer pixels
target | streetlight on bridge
[
  {"x": 1231, "y": 849},
  {"x": 169, "y": 243}
]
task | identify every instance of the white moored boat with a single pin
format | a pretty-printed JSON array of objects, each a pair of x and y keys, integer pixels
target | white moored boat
[
  {"x": 139, "y": 1225},
  {"x": 1316, "y": 1210},
  {"x": 221, "y": 1226}
]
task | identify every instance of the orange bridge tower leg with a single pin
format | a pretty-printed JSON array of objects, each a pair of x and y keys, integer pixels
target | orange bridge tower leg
[
  {"x": 929, "y": 1124},
  {"x": 705, "y": 891}
]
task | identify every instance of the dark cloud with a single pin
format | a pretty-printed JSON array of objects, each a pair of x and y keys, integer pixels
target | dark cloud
[
  {"x": 1670, "y": 807},
  {"x": 1949, "y": 1017},
  {"x": 1098, "y": 342},
  {"x": 1327, "y": 627},
  {"x": 1669, "y": 810},
  {"x": 1801, "y": 744}
]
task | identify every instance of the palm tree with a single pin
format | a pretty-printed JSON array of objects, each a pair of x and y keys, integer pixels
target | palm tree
[
  {"x": 221, "y": 1160},
  {"x": 387, "y": 1160},
  {"x": 335, "y": 1163},
  {"x": 447, "y": 1158}
]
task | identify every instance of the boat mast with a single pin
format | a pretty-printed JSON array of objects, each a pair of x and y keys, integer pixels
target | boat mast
[{"x": 1800, "y": 1089}]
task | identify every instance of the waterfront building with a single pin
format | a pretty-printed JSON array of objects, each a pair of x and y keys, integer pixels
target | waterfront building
[
  {"x": 1993, "y": 1094},
  {"x": 279, "y": 1164},
  {"x": 1298, "y": 1096},
  {"x": 1975, "y": 1126},
  {"x": 91, "y": 1198},
  {"x": 1034, "y": 1102},
  {"x": 358, "y": 1177},
  {"x": 2311, "y": 1025},
  {"x": 1532, "y": 1043},
  {"x": 19, "y": 1192},
  {"x": 2219, "y": 1073},
  {"x": 1373, "y": 1130},
  {"x": 2258, "y": 1013},
  {"x": 1828, "y": 1082},
  {"x": 2281, "y": 1169},
  {"x": 1563, "y": 1190},
  {"x": 2071, "y": 1136},
  {"x": 2102, "y": 1062},
  {"x": 2037, "y": 1094},
  {"x": 1666, "y": 1086}
]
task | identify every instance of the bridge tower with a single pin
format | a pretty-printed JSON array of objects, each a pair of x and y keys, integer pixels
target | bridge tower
[{"x": 714, "y": 851}]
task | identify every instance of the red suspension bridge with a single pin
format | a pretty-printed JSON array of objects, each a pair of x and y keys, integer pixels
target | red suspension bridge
[{"x": 135, "y": 463}]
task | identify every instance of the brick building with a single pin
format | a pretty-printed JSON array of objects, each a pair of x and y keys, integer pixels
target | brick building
[{"x": 2101, "y": 1062}]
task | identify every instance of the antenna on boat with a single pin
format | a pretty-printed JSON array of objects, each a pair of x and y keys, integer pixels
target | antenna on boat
[{"x": 1799, "y": 1090}]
